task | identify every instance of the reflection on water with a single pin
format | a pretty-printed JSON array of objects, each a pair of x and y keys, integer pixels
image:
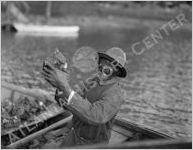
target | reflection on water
[{"x": 157, "y": 91}]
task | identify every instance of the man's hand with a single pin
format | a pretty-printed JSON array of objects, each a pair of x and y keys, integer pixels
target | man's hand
[{"x": 56, "y": 78}]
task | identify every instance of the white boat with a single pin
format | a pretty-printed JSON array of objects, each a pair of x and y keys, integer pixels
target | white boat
[{"x": 47, "y": 30}]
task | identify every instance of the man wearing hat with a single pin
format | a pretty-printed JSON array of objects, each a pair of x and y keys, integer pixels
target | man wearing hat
[{"x": 94, "y": 113}]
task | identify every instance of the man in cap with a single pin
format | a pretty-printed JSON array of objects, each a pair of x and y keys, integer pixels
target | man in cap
[{"x": 93, "y": 113}]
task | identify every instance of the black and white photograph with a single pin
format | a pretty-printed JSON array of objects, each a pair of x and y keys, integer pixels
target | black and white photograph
[{"x": 96, "y": 74}]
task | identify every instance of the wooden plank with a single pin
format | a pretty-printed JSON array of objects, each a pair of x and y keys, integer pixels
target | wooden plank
[
  {"x": 129, "y": 125},
  {"x": 122, "y": 131}
]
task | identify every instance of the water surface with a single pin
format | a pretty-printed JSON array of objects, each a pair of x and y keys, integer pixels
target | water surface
[{"x": 157, "y": 90}]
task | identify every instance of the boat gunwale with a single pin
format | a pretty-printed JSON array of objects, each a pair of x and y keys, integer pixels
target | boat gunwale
[
  {"x": 146, "y": 144},
  {"x": 128, "y": 124}
]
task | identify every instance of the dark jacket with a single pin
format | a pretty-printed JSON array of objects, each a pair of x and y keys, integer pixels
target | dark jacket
[{"x": 93, "y": 115}]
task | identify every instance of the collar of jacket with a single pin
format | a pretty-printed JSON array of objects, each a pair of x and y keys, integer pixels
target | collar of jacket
[{"x": 111, "y": 81}]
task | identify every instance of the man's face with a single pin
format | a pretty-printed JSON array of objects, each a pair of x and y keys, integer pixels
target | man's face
[{"x": 106, "y": 70}]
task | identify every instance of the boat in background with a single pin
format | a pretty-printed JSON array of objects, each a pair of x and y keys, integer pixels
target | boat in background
[{"x": 43, "y": 30}]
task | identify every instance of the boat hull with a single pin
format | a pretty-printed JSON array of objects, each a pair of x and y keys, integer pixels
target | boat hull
[{"x": 46, "y": 28}]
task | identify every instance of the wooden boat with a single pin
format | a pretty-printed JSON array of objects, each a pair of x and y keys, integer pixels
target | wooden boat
[{"x": 125, "y": 134}]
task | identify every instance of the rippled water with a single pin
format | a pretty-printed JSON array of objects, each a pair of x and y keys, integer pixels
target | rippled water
[{"x": 157, "y": 91}]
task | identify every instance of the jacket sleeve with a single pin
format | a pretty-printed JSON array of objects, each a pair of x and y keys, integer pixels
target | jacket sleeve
[{"x": 100, "y": 111}]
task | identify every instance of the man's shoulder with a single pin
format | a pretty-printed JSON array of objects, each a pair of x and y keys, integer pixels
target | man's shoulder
[
  {"x": 114, "y": 94},
  {"x": 115, "y": 89}
]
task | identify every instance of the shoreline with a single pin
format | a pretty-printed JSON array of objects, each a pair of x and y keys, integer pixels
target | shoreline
[{"x": 90, "y": 22}]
